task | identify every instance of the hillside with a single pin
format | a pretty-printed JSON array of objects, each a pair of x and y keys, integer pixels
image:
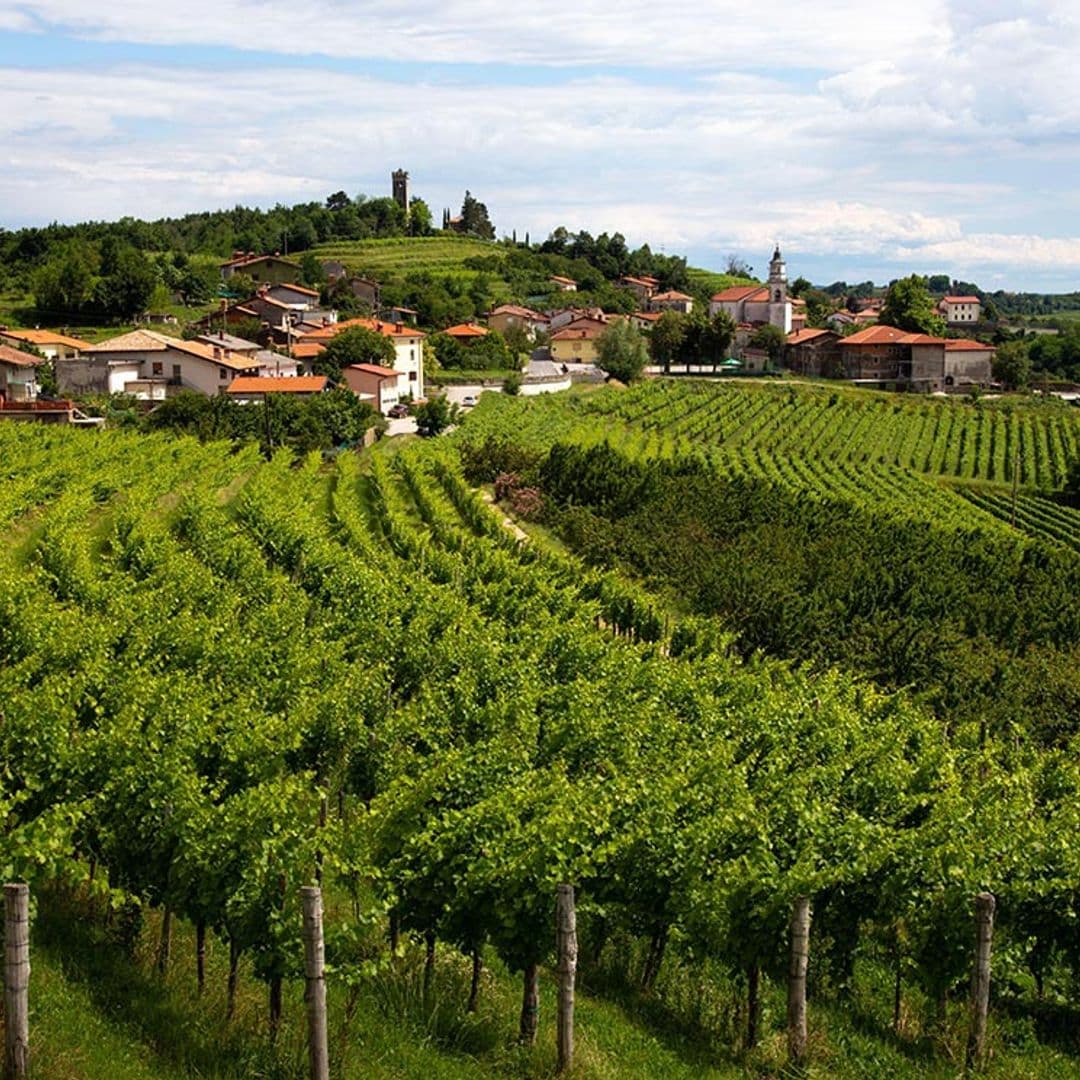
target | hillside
[{"x": 226, "y": 675}]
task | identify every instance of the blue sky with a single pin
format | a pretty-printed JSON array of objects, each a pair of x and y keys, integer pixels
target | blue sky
[{"x": 869, "y": 143}]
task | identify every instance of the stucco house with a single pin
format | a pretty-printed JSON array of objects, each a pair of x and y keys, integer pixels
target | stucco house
[
  {"x": 961, "y": 310},
  {"x": 408, "y": 348},
  {"x": 50, "y": 344},
  {"x": 577, "y": 343},
  {"x": 671, "y": 301},
  {"x": 265, "y": 269},
  {"x": 298, "y": 297},
  {"x": 888, "y": 357},
  {"x": 642, "y": 287},
  {"x": 379, "y": 385},
  {"x": 562, "y": 284},
  {"x": 814, "y": 352},
  {"x": 509, "y": 316},
  {"x": 18, "y": 374},
  {"x": 151, "y": 366}
]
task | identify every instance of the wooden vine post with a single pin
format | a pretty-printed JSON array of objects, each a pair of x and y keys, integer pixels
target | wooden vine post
[
  {"x": 796, "y": 1001},
  {"x": 566, "y": 948},
  {"x": 980, "y": 979},
  {"x": 315, "y": 982},
  {"x": 16, "y": 982}
]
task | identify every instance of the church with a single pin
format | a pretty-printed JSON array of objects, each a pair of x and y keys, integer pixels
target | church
[{"x": 760, "y": 305}]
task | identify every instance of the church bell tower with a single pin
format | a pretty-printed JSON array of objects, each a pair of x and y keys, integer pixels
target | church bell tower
[{"x": 779, "y": 305}]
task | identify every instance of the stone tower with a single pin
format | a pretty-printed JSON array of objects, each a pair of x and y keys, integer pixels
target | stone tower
[
  {"x": 779, "y": 305},
  {"x": 401, "y": 188}
]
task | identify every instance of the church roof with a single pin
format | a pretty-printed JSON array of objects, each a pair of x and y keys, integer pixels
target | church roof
[{"x": 742, "y": 292}]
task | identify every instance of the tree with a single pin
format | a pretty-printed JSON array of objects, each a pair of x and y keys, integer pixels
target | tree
[
  {"x": 338, "y": 201},
  {"x": 474, "y": 218},
  {"x": 909, "y": 306},
  {"x": 718, "y": 337},
  {"x": 63, "y": 284},
  {"x": 357, "y": 345},
  {"x": 666, "y": 339},
  {"x": 1012, "y": 364},
  {"x": 737, "y": 266},
  {"x": 311, "y": 270},
  {"x": 419, "y": 218},
  {"x": 772, "y": 339},
  {"x": 518, "y": 342},
  {"x": 622, "y": 350},
  {"x": 127, "y": 289},
  {"x": 799, "y": 286},
  {"x": 436, "y": 415}
]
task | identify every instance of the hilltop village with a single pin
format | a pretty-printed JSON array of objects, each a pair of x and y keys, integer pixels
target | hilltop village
[{"x": 299, "y": 326}]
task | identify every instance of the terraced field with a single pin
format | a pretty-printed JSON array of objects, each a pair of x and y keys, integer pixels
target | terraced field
[{"x": 443, "y": 254}]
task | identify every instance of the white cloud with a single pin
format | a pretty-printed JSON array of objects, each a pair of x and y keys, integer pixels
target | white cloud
[
  {"x": 714, "y": 34},
  {"x": 945, "y": 137}
]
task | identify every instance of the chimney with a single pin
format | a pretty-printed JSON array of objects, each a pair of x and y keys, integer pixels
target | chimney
[{"x": 217, "y": 352}]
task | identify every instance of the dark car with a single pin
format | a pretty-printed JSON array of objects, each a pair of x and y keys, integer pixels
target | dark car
[{"x": 399, "y": 410}]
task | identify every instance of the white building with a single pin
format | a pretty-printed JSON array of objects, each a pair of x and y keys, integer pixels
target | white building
[
  {"x": 150, "y": 366},
  {"x": 759, "y": 304},
  {"x": 18, "y": 374},
  {"x": 408, "y": 348},
  {"x": 51, "y": 345},
  {"x": 960, "y": 310}
]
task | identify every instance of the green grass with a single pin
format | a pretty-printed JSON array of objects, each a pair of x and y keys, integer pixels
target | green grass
[
  {"x": 99, "y": 1012},
  {"x": 442, "y": 254},
  {"x": 714, "y": 281}
]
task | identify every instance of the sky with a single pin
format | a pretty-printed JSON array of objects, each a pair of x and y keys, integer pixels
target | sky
[{"x": 869, "y": 141}]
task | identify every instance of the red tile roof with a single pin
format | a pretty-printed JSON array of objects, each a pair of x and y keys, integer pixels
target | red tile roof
[
  {"x": 801, "y": 337},
  {"x": 45, "y": 337},
  {"x": 8, "y": 355},
  {"x": 374, "y": 369},
  {"x": 877, "y": 335},
  {"x": 967, "y": 345},
  {"x": 299, "y": 384},
  {"x": 307, "y": 350},
  {"x": 517, "y": 309},
  {"x": 466, "y": 330},
  {"x": 151, "y": 341},
  {"x": 673, "y": 295},
  {"x": 579, "y": 333},
  {"x": 562, "y": 280},
  {"x": 736, "y": 293},
  {"x": 962, "y": 300},
  {"x": 387, "y": 329}
]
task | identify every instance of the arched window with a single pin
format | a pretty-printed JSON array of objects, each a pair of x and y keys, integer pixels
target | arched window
[{"x": 778, "y": 295}]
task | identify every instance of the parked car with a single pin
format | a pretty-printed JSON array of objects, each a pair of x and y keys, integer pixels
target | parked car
[
  {"x": 468, "y": 400},
  {"x": 399, "y": 410}
]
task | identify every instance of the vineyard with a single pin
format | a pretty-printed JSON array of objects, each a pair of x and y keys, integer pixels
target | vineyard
[
  {"x": 931, "y": 459},
  {"x": 442, "y": 254},
  {"x": 224, "y": 678}
]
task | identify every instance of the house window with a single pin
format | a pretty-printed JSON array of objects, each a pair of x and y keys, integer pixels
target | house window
[
  {"x": 412, "y": 376},
  {"x": 158, "y": 367},
  {"x": 222, "y": 373},
  {"x": 176, "y": 371}
]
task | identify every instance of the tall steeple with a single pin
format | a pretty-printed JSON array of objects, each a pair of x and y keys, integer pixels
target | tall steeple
[{"x": 779, "y": 305}]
